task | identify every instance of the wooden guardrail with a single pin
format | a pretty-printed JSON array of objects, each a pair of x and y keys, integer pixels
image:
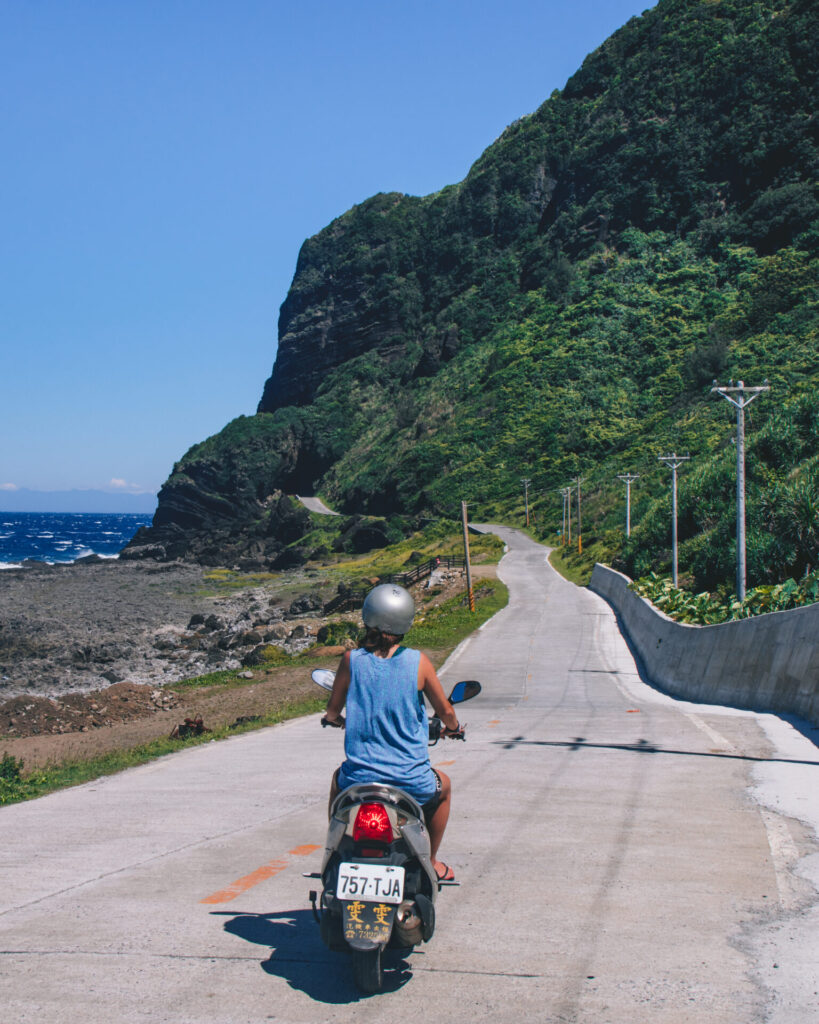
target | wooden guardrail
[
  {"x": 353, "y": 596},
  {"x": 420, "y": 572}
]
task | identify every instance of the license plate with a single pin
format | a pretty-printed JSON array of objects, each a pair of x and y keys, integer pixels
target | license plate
[{"x": 370, "y": 883}]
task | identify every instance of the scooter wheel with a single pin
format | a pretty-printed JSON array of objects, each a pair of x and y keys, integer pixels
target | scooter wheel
[{"x": 367, "y": 970}]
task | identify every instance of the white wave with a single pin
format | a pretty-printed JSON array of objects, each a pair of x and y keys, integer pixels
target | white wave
[
  {"x": 10, "y": 565},
  {"x": 85, "y": 552}
]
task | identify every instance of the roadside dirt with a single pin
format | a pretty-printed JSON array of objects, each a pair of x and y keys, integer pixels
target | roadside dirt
[
  {"x": 71, "y": 726},
  {"x": 77, "y": 727}
]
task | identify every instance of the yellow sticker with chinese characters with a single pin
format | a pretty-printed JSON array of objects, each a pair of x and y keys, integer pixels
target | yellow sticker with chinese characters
[{"x": 369, "y": 921}]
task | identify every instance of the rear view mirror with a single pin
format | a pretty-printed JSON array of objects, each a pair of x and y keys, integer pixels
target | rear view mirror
[
  {"x": 323, "y": 677},
  {"x": 465, "y": 690}
]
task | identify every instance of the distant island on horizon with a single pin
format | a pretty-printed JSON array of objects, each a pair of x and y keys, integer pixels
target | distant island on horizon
[{"x": 79, "y": 501}]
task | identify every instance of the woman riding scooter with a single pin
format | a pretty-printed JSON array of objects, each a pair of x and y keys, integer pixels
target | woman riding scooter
[{"x": 386, "y": 737}]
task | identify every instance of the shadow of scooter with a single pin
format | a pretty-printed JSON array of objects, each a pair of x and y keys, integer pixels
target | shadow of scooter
[{"x": 296, "y": 951}]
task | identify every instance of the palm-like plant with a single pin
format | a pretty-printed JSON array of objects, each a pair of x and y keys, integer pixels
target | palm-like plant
[{"x": 800, "y": 515}]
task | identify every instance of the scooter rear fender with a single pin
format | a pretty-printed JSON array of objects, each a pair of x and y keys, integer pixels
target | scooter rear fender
[{"x": 405, "y": 811}]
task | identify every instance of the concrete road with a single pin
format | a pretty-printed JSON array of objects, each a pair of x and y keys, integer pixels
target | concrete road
[
  {"x": 623, "y": 858},
  {"x": 316, "y": 505}
]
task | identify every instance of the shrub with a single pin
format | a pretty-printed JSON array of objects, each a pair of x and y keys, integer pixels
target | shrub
[
  {"x": 708, "y": 609},
  {"x": 11, "y": 781},
  {"x": 335, "y": 633}
]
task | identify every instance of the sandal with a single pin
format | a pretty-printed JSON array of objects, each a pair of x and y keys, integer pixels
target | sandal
[{"x": 447, "y": 876}]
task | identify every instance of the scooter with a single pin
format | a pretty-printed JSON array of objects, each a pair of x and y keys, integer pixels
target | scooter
[{"x": 378, "y": 883}]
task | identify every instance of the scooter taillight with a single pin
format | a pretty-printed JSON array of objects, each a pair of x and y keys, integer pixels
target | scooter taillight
[{"x": 372, "y": 823}]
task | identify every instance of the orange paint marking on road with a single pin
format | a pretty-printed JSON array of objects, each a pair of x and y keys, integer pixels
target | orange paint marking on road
[
  {"x": 633, "y": 711},
  {"x": 493, "y": 723},
  {"x": 261, "y": 874},
  {"x": 243, "y": 884},
  {"x": 443, "y": 764},
  {"x": 302, "y": 851}
]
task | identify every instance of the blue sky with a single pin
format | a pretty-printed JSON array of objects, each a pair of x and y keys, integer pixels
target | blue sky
[{"x": 165, "y": 159}]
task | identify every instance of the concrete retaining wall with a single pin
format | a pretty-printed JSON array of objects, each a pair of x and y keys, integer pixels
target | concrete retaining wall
[{"x": 767, "y": 663}]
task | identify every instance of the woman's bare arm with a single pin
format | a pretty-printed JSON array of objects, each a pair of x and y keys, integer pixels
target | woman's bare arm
[
  {"x": 341, "y": 684},
  {"x": 429, "y": 682}
]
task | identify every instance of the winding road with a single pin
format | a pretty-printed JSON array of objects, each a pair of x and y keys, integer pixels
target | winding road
[
  {"x": 316, "y": 505},
  {"x": 623, "y": 858}
]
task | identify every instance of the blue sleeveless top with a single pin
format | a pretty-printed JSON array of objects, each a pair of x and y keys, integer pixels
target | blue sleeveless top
[{"x": 386, "y": 734}]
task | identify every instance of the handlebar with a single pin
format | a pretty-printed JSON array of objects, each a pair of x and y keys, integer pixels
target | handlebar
[{"x": 437, "y": 730}]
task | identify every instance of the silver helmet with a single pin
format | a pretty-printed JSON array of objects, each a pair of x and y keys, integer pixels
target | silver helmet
[{"x": 389, "y": 608}]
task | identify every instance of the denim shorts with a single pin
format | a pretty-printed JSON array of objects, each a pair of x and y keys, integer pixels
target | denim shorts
[{"x": 431, "y": 805}]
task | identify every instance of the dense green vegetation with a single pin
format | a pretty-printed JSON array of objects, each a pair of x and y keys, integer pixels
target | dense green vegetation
[
  {"x": 564, "y": 309},
  {"x": 708, "y": 609}
]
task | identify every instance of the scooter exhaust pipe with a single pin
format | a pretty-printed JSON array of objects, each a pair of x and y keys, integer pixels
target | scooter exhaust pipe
[{"x": 408, "y": 924}]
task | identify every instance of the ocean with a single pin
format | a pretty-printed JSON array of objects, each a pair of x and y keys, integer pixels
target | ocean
[{"x": 64, "y": 536}]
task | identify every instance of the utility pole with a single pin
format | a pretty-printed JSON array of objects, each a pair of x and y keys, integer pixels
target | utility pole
[
  {"x": 628, "y": 479},
  {"x": 569, "y": 519},
  {"x": 740, "y": 397},
  {"x": 470, "y": 592},
  {"x": 563, "y": 530},
  {"x": 674, "y": 462},
  {"x": 577, "y": 481},
  {"x": 526, "y": 481}
]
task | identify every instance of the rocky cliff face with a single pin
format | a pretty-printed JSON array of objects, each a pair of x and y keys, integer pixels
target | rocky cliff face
[
  {"x": 393, "y": 389},
  {"x": 346, "y": 299},
  {"x": 192, "y": 523}
]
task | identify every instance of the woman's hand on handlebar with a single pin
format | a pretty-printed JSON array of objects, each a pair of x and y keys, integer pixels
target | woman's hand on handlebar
[
  {"x": 454, "y": 734},
  {"x": 336, "y": 723}
]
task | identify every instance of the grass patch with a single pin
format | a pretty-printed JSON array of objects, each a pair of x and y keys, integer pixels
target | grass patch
[
  {"x": 443, "y": 627},
  {"x": 578, "y": 567},
  {"x": 224, "y": 677},
  {"x": 483, "y": 549},
  {"x": 227, "y": 679},
  {"x": 227, "y": 580},
  {"x": 15, "y": 785}
]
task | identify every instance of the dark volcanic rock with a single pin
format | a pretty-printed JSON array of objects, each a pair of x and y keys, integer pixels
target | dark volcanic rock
[
  {"x": 291, "y": 558},
  {"x": 248, "y": 531},
  {"x": 362, "y": 535},
  {"x": 306, "y": 603},
  {"x": 136, "y": 551}
]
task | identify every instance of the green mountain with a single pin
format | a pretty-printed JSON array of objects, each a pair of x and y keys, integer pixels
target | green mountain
[{"x": 561, "y": 311}]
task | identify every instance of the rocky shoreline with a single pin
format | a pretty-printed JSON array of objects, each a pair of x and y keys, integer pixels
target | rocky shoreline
[{"x": 79, "y": 628}]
